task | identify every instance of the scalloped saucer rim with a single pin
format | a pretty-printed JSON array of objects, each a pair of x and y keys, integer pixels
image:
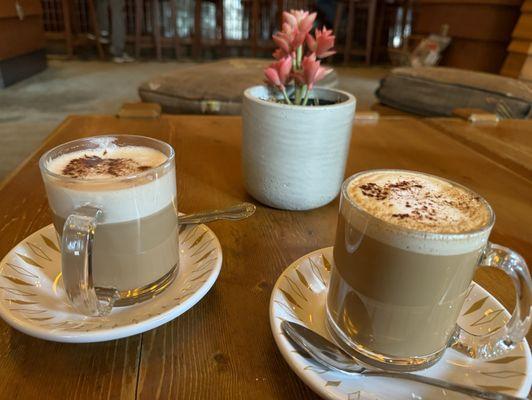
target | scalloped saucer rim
[{"x": 33, "y": 263}]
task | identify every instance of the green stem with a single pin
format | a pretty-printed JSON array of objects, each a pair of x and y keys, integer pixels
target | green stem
[
  {"x": 296, "y": 67},
  {"x": 299, "y": 56},
  {"x": 306, "y": 95},
  {"x": 286, "y": 97},
  {"x": 298, "y": 96}
]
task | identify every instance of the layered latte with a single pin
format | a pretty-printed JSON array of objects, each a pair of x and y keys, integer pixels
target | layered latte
[
  {"x": 136, "y": 239},
  {"x": 406, "y": 248}
]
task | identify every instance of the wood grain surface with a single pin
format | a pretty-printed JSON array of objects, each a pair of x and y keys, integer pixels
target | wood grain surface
[
  {"x": 223, "y": 348},
  {"x": 509, "y": 142}
]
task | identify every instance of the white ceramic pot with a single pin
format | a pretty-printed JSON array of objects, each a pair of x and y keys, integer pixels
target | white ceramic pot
[{"x": 294, "y": 156}]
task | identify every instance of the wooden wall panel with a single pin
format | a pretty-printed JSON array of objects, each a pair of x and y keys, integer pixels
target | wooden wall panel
[
  {"x": 518, "y": 63},
  {"x": 523, "y": 29},
  {"x": 511, "y": 3},
  {"x": 492, "y": 23},
  {"x": 20, "y": 37},
  {"x": 527, "y": 6},
  {"x": 480, "y": 30},
  {"x": 475, "y": 55},
  {"x": 8, "y": 8},
  {"x": 520, "y": 46},
  {"x": 513, "y": 64}
]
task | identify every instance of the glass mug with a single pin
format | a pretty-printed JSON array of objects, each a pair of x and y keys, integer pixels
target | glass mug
[
  {"x": 118, "y": 234},
  {"x": 395, "y": 307}
]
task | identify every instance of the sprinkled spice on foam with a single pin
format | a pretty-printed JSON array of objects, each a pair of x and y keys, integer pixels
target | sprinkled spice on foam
[
  {"x": 420, "y": 202},
  {"x": 424, "y": 209},
  {"x": 94, "y": 165}
]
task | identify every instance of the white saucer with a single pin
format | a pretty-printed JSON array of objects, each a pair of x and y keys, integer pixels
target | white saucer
[
  {"x": 299, "y": 295},
  {"x": 32, "y": 298}
]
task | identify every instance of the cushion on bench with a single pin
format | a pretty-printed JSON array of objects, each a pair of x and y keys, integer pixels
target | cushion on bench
[
  {"x": 437, "y": 91},
  {"x": 209, "y": 88}
]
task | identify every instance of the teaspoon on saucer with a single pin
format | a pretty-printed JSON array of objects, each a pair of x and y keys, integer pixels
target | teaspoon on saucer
[
  {"x": 234, "y": 213},
  {"x": 332, "y": 356}
]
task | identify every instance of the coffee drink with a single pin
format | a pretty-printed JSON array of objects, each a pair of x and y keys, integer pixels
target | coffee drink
[
  {"x": 136, "y": 238},
  {"x": 407, "y": 245}
]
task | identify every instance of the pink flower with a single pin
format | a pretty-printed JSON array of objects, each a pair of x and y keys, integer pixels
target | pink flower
[
  {"x": 323, "y": 43},
  {"x": 291, "y": 48},
  {"x": 290, "y": 19},
  {"x": 312, "y": 71},
  {"x": 296, "y": 26},
  {"x": 278, "y": 54},
  {"x": 278, "y": 73},
  {"x": 302, "y": 20},
  {"x": 285, "y": 39},
  {"x": 298, "y": 40}
]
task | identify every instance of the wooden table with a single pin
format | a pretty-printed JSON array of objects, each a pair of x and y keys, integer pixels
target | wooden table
[
  {"x": 508, "y": 142},
  {"x": 223, "y": 347}
]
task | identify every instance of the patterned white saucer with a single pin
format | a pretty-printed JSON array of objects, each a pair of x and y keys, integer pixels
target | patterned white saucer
[
  {"x": 299, "y": 295},
  {"x": 32, "y": 298}
]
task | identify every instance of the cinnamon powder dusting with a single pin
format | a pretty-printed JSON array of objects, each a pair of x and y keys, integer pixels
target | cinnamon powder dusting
[
  {"x": 419, "y": 202},
  {"x": 93, "y": 165}
]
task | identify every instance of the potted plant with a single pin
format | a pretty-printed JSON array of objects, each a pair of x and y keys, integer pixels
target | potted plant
[{"x": 295, "y": 135}]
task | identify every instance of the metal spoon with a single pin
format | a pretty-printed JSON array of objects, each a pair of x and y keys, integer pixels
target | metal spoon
[
  {"x": 332, "y": 356},
  {"x": 236, "y": 212}
]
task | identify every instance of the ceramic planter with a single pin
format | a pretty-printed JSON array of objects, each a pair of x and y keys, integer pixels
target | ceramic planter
[{"x": 294, "y": 156}]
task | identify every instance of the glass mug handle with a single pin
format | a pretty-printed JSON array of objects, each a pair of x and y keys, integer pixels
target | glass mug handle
[
  {"x": 505, "y": 338},
  {"x": 76, "y": 264}
]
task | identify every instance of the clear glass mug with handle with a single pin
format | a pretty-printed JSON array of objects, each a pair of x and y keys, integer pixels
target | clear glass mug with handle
[
  {"x": 114, "y": 207},
  {"x": 395, "y": 293}
]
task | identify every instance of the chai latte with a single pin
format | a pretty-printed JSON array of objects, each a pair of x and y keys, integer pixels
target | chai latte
[
  {"x": 407, "y": 245},
  {"x": 136, "y": 239}
]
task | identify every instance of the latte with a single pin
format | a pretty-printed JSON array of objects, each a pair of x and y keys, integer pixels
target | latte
[
  {"x": 407, "y": 245},
  {"x": 136, "y": 239}
]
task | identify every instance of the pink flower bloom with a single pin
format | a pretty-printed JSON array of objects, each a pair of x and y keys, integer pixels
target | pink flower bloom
[
  {"x": 283, "y": 41},
  {"x": 288, "y": 39},
  {"x": 312, "y": 71},
  {"x": 298, "y": 39},
  {"x": 289, "y": 19},
  {"x": 291, "y": 48},
  {"x": 296, "y": 26},
  {"x": 278, "y": 73},
  {"x": 278, "y": 54},
  {"x": 303, "y": 19},
  {"x": 323, "y": 43}
]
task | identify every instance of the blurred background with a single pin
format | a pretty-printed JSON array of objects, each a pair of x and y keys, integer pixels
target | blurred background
[
  {"x": 370, "y": 31},
  {"x": 56, "y": 56}
]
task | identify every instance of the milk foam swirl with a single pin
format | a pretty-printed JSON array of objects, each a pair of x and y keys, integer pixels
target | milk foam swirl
[
  {"x": 120, "y": 199},
  {"x": 106, "y": 161},
  {"x": 419, "y": 201}
]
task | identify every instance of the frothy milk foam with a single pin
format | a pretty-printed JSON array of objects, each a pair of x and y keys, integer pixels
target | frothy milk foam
[
  {"x": 93, "y": 170},
  {"x": 428, "y": 207}
]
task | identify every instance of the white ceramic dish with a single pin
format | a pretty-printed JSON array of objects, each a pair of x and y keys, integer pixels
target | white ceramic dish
[
  {"x": 33, "y": 301},
  {"x": 300, "y": 294}
]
